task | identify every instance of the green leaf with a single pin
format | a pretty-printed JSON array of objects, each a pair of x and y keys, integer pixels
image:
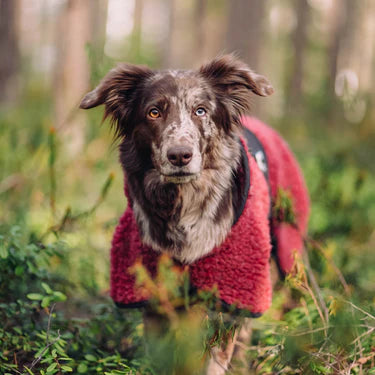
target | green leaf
[
  {"x": 51, "y": 367},
  {"x": 35, "y": 296},
  {"x": 47, "y": 288},
  {"x": 59, "y": 348},
  {"x": 18, "y": 330},
  {"x": 107, "y": 185},
  {"x": 90, "y": 357},
  {"x": 38, "y": 353},
  {"x": 19, "y": 270},
  {"x": 59, "y": 297},
  {"x": 28, "y": 370},
  {"x": 3, "y": 251},
  {"x": 82, "y": 368},
  {"x": 67, "y": 368},
  {"x": 46, "y": 301},
  {"x": 15, "y": 231},
  {"x": 31, "y": 267}
]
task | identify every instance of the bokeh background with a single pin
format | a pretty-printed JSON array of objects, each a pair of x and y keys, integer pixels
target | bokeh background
[{"x": 61, "y": 185}]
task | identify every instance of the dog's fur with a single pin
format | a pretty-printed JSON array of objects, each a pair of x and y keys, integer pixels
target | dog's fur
[
  {"x": 185, "y": 207},
  {"x": 182, "y": 208}
]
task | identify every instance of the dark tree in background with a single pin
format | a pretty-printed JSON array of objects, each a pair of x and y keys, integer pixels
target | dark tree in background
[
  {"x": 339, "y": 15},
  {"x": 136, "y": 41},
  {"x": 304, "y": 46},
  {"x": 245, "y": 29},
  {"x": 200, "y": 11},
  {"x": 167, "y": 48},
  {"x": 9, "y": 55},
  {"x": 98, "y": 9},
  {"x": 78, "y": 28},
  {"x": 300, "y": 45},
  {"x": 245, "y": 35}
]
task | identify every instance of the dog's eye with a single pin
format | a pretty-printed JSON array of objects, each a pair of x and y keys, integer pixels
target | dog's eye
[
  {"x": 154, "y": 113},
  {"x": 200, "y": 112}
]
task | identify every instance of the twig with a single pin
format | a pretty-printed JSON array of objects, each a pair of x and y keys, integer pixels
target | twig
[
  {"x": 309, "y": 331},
  {"x": 48, "y": 344},
  {"x": 358, "y": 342},
  {"x": 361, "y": 310},
  {"x": 69, "y": 218},
  {"x": 11, "y": 182},
  {"x": 69, "y": 117},
  {"x": 304, "y": 305},
  {"x": 52, "y": 171},
  {"x": 319, "y": 247},
  {"x": 18, "y": 372},
  {"x": 37, "y": 360},
  {"x": 315, "y": 285},
  {"x": 304, "y": 285},
  {"x": 49, "y": 321}
]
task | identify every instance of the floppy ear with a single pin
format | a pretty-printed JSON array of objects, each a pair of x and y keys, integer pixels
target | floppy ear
[
  {"x": 234, "y": 79},
  {"x": 116, "y": 90}
]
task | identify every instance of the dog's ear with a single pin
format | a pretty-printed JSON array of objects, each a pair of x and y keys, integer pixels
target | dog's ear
[
  {"x": 232, "y": 80},
  {"x": 230, "y": 73},
  {"x": 116, "y": 90}
]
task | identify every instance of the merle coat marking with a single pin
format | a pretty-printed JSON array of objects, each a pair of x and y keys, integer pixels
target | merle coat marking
[{"x": 179, "y": 148}]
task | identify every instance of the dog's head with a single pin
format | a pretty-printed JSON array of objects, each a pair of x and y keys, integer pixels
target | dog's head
[{"x": 175, "y": 117}]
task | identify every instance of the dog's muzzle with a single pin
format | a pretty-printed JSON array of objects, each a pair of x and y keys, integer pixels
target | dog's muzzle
[
  {"x": 179, "y": 156},
  {"x": 179, "y": 178}
]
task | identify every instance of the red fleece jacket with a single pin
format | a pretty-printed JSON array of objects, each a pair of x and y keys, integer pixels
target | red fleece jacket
[{"x": 239, "y": 267}]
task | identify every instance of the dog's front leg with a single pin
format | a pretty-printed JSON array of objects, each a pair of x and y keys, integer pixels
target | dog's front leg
[
  {"x": 156, "y": 327},
  {"x": 221, "y": 356},
  {"x": 242, "y": 344}
]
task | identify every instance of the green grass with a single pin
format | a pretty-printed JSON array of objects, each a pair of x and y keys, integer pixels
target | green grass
[{"x": 57, "y": 216}]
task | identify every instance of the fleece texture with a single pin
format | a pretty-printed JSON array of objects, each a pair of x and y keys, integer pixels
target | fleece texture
[
  {"x": 238, "y": 269},
  {"x": 284, "y": 172}
]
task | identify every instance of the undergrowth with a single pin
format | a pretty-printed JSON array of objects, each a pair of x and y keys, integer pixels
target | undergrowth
[{"x": 57, "y": 219}]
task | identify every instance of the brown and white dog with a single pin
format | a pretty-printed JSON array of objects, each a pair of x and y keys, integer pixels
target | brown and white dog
[
  {"x": 180, "y": 152},
  {"x": 176, "y": 127}
]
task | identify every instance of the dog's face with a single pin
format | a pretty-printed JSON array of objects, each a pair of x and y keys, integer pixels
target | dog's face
[{"x": 175, "y": 118}]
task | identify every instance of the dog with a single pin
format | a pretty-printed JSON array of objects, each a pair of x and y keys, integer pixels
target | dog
[{"x": 198, "y": 189}]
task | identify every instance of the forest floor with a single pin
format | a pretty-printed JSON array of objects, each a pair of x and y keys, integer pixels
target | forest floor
[{"x": 58, "y": 213}]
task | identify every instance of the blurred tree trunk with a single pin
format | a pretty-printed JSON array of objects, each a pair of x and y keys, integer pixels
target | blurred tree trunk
[
  {"x": 99, "y": 10},
  {"x": 367, "y": 79},
  {"x": 343, "y": 50},
  {"x": 294, "y": 93},
  {"x": 200, "y": 12},
  {"x": 366, "y": 43},
  {"x": 170, "y": 35},
  {"x": 136, "y": 42},
  {"x": 245, "y": 35},
  {"x": 337, "y": 22},
  {"x": 79, "y": 24},
  {"x": 245, "y": 30},
  {"x": 344, "y": 17},
  {"x": 9, "y": 56}
]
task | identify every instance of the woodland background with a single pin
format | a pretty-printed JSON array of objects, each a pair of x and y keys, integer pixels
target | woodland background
[{"x": 61, "y": 185}]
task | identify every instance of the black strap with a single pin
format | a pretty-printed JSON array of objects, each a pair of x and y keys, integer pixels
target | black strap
[{"x": 257, "y": 151}]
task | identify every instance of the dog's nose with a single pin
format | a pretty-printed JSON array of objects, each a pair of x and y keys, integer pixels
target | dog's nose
[{"x": 180, "y": 156}]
